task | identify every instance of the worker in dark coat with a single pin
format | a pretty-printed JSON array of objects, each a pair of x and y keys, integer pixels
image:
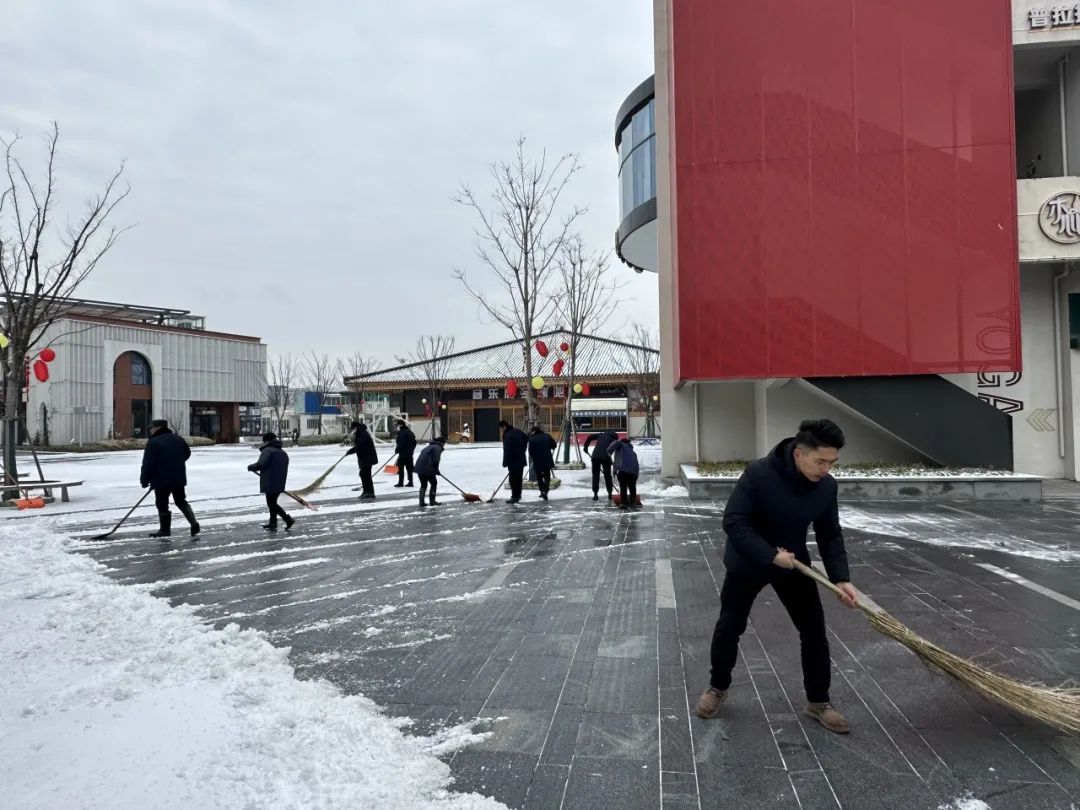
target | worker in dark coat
[
  {"x": 364, "y": 450},
  {"x": 427, "y": 468},
  {"x": 625, "y": 459},
  {"x": 601, "y": 460},
  {"x": 767, "y": 516},
  {"x": 164, "y": 469},
  {"x": 515, "y": 443},
  {"x": 405, "y": 446},
  {"x": 541, "y": 447},
  {"x": 273, "y": 470}
]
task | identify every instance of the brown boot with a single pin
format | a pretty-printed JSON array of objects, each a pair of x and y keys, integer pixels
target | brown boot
[
  {"x": 708, "y": 705},
  {"x": 829, "y": 717}
]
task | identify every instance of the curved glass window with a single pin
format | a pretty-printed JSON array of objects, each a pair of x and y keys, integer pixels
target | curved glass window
[{"x": 637, "y": 160}]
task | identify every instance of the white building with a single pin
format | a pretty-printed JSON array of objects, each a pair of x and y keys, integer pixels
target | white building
[{"x": 119, "y": 366}]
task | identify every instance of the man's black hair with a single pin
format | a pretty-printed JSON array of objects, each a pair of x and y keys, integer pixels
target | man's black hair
[{"x": 817, "y": 433}]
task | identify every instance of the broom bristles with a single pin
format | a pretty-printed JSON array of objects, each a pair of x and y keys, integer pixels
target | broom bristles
[
  {"x": 318, "y": 482},
  {"x": 1056, "y": 706}
]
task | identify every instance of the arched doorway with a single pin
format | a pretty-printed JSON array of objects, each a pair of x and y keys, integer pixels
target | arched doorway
[{"x": 133, "y": 397}]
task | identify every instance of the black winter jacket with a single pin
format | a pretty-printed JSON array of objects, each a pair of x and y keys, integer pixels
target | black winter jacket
[
  {"x": 406, "y": 442},
  {"x": 364, "y": 448},
  {"x": 428, "y": 462},
  {"x": 603, "y": 441},
  {"x": 772, "y": 506},
  {"x": 164, "y": 461},
  {"x": 272, "y": 467},
  {"x": 541, "y": 446},
  {"x": 514, "y": 444}
]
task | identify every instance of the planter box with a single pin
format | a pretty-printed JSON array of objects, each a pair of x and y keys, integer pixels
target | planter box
[{"x": 889, "y": 488}]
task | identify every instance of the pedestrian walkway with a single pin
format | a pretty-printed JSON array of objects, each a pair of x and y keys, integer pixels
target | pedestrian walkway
[{"x": 579, "y": 636}]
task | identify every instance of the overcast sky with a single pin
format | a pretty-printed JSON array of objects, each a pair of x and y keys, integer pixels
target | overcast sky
[{"x": 292, "y": 164}]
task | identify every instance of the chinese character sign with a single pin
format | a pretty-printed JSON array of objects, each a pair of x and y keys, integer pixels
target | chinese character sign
[
  {"x": 493, "y": 393},
  {"x": 478, "y": 393},
  {"x": 1059, "y": 16}
]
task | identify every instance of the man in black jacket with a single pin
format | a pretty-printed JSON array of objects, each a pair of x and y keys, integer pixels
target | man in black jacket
[
  {"x": 541, "y": 447},
  {"x": 514, "y": 444},
  {"x": 405, "y": 446},
  {"x": 364, "y": 450},
  {"x": 601, "y": 460},
  {"x": 776, "y": 499},
  {"x": 164, "y": 469},
  {"x": 273, "y": 470}
]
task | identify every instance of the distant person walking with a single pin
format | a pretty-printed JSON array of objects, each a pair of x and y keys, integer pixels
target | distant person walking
[
  {"x": 601, "y": 460},
  {"x": 427, "y": 468},
  {"x": 164, "y": 469},
  {"x": 466, "y": 433},
  {"x": 404, "y": 446},
  {"x": 364, "y": 450},
  {"x": 541, "y": 447},
  {"x": 514, "y": 444},
  {"x": 627, "y": 469},
  {"x": 273, "y": 470}
]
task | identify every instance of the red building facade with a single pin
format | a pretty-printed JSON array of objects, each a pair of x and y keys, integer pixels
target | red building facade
[{"x": 843, "y": 186}]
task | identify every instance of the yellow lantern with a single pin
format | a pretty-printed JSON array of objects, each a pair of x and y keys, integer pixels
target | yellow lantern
[
  {"x": 4, "y": 341},
  {"x": 537, "y": 383},
  {"x": 577, "y": 388}
]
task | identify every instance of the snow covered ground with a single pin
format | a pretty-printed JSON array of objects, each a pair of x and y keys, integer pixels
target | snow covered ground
[
  {"x": 112, "y": 699},
  {"x": 218, "y": 479}
]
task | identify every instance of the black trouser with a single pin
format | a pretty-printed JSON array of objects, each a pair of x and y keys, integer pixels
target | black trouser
[
  {"x": 517, "y": 475},
  {"x": 161, "y": 500},
  {"x": 365, "y": 478},
  {"x": 404, "y": 464},
  {"x": 598, "y": 465},
  {"x": 628, "y": 486},
  {"x": 425, "y": 482},
  {"x": 799, "y": 595},
  {"x": 543, "y": 481},
  {"x": 275, "y": 510}
]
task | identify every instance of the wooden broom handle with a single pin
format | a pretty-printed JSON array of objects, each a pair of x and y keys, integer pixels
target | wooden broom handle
[{"x": 864, "y": 603}]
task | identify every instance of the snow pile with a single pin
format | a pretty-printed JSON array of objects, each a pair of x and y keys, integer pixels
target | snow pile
[
  {"x": 967, "y": 802},
  {"x": 113, "y": 699}
]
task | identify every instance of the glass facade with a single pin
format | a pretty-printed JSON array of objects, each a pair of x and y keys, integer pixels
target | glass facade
[{"x": 637, "y": 156}]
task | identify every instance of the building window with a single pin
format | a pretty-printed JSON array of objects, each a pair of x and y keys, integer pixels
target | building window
[
  {"x": 312, "y": 424},
  {"x": 140, "y": 370}
]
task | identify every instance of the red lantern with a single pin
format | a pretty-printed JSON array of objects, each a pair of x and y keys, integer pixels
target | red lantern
[
  {"x": 511, "y": 389},
  {"x": 584, "y": 389},
  {"x": 541, "y": 348},
  {"x": 564, "y": 347},
  {"x": 41, "y": 371},
  {"x": 48, "y": 355},
  {"x": 558, "y": 367}
]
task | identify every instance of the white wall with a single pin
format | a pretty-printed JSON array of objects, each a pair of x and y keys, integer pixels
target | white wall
[{"x": 725, "y": 421}]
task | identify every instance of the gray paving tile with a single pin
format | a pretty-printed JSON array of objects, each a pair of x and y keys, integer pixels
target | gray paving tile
[
  {"x": 547, "y": 787},
  {"x": 504, "y": 777},
  {"x": 611, "y": 783},
  {"x": 622, "y": 736},
  {"x": 623, "y": 685}
]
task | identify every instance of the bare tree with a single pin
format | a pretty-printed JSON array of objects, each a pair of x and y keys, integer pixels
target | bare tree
[
  {"x": 283, "y": 373},
  {"x": 643, "y": 359},
  {"x": 355, "y": 367},
  {"x": 586, "y": 304},
  {"x": 41, "y": 266},
  {"x": 429, "y": 364},
  {"x": 519, "y": 241},
  {"x": 322, "y": 375}
]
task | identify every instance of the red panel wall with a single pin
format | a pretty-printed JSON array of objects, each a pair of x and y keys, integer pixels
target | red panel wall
[{"x": 844, "y": 188}]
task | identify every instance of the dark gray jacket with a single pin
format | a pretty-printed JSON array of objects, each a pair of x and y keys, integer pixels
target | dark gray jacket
[
  {"x": 603, "y": 441},
  {"x": 514, "y": 443},
  {"x": 164, "y": 462},
  {"x": 272, "y": 467},
  {"x": 541, "y": 446},
  {"x": 625, "y": 457},
  {"x": 405, "y": 444},
  {"x": 428, "y": 462},
  {"x": 772, "y": 506},
  {"x": 364, "y": 448}
]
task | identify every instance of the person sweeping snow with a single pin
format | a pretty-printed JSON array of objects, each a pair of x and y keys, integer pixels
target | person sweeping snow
[
  {"x": 601, "y": 461},
  {"x": 273, "y": 470},
  {"x": 541, "y": 449},
  {"x": 625, "y": 459},
  {"x": 774, "y": 502},
  {"x": 164, "y": 469},
  {"x": 404, "y": 446},
  {"x": 366, "y": 456},
  {"x": 427, "y": 469}
]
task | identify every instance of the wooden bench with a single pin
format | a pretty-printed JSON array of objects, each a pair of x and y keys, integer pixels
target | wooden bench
[{"x": 46, "y": 486}]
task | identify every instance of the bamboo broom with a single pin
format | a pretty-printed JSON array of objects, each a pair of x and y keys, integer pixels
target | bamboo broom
[
  {"x": 318, "y": 482},
  {"x": 1056, "y": 706}
]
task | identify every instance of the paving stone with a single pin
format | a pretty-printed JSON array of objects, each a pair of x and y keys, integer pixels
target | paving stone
[
  {"x": 611, "y": 783},
  {"x": 621, "y": 736},
  {"x": 547, "y": 787}
]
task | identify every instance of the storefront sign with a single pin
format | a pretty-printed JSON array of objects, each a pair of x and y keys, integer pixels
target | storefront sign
[
  {"x": 1059, "y": 218},
  {"x": 1048, "y": 17}
]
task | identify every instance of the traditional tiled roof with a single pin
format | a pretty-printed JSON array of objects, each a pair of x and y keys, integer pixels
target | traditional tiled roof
[{"x": 598, "y": 359}]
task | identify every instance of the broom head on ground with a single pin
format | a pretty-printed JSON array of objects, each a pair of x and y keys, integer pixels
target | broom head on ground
[
  {"x": 616, "y": 499},
  {"x": 391, "y": 469},
  {"x": 1056, "y": 706}
]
